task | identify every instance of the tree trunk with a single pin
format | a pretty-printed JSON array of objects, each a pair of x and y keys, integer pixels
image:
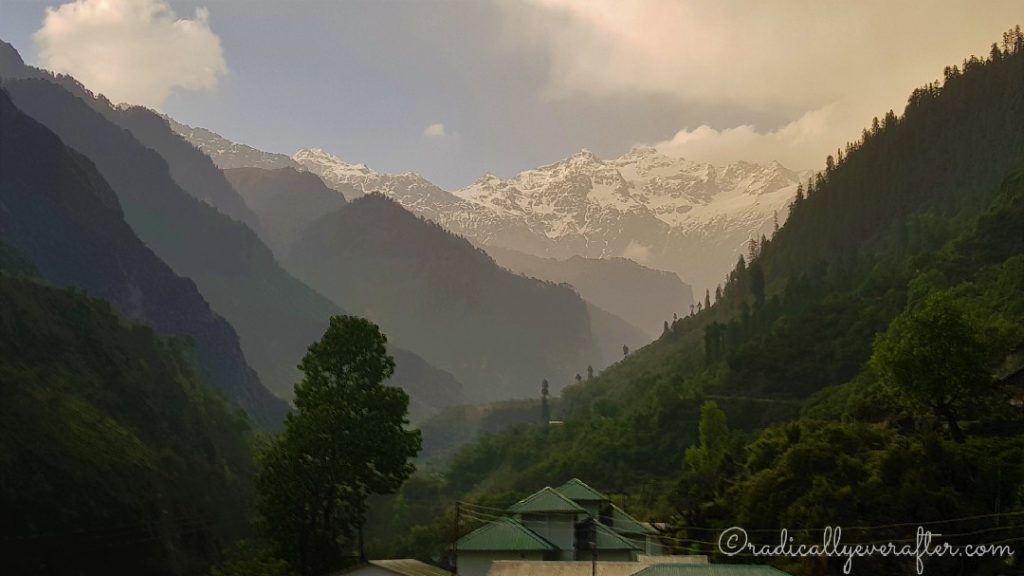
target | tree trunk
[
  {"x": 954, "y": 427},
  {"x": 362, "y": 546}
]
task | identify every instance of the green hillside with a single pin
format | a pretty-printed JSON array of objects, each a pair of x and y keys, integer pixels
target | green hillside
[{"x": 115, "y": 454}]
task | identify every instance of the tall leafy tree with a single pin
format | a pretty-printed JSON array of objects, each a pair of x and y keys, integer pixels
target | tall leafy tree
[
  {"x": 346, "y": 439},
  {"x": 705, "y": 464},
  {"x": 933, "y": 357}
]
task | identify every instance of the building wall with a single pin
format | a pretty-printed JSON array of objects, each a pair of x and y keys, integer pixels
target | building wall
[
  {"x": 559, "y": 529},
  {"x": 616, "y": 556},
  {"x": 370, "y": 570},
  {"x": 477, "y": 563},
  {"x": 652, "y": 546}
]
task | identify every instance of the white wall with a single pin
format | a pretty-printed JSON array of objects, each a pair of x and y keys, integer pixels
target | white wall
[
  {"x": 559, "y": 529},
  {"x": 477, "y": 563}
]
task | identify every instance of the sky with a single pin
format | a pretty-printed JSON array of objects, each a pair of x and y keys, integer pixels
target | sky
[{"x": 455, "y": 89}]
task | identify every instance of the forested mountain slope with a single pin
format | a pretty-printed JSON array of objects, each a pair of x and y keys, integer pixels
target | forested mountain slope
[
  {"x": 275, "y": 315},
  {"x": 60, "y": 213},
  {"x": 116, "y": 458}
]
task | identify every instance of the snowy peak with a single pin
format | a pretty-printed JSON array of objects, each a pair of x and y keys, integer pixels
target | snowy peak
[
  {"x": 676, "y": 214},
  {"x": 333, "y": 169}
]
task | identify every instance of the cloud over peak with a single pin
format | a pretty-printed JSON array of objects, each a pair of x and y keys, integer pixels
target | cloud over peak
[
  {"x": 435, "y": 131},
  {"x": 825, "y": 67},
  {"x": 135, "y": 51}
]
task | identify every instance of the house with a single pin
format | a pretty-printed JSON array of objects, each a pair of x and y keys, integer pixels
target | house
[
  {"x": 665, "y": 566},
  {"x": 403, "y": 567},
  {"x": 571, "y": 523}
]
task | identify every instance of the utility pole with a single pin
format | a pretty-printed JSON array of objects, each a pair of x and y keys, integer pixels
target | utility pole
[
  {"x": 455, "y": 542},
  {"x": 593, "y": 546}
]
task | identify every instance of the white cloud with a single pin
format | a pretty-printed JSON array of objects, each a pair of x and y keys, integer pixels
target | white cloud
[
  {"x": 135, "y": 51},
  {"x": 801, "y": 144},
  {"x": 637, "y": 252},
  {"x": 829, "y": 67},
  {"x": 434, "y": 131}
]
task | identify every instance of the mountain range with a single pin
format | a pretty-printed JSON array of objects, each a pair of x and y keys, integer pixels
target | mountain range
[{"x": 668, "y": 213}]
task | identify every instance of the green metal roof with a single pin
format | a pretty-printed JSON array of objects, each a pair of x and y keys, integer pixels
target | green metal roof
[
  {"x": 608, "y": 539},
  {"x": 578, "y": 490},
  {"x": 504, "y": 534},
  {"x": 409, "y": 567},
  {"x": 546, "y": 500},
  {"x": 623, "y": 523},
  {"x": 710, "y": 570}
]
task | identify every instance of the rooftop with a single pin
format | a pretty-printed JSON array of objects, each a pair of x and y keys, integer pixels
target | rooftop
[
  {"x": 504, "y": 534},
  {"x": 579, "y": 491},
  {"x": 409, "y": 567},
  {"x": 608, "y": 539},
  {"x": 710, "y": 570},
  {"x": 626, "y": 524},
  {"x": 546, "y": 500}
]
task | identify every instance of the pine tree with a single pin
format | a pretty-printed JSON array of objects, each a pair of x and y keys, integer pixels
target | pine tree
[{"x": 757, "y": 282}]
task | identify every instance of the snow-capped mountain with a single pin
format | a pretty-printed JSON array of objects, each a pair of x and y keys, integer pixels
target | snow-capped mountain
[
  {"x": 415, "y": 193},
  {"x": 691, "y": 218},
  {"x": 688, "y": 217}
]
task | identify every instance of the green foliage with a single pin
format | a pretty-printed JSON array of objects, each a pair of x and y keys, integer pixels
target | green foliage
[
  {"x": 252, "y": 558},
  {"x": 809, "y": 474},
  {"x": 932, "y": 356},
  {"x": 345, "y": 441},
  {"x": 115, "y": 456},
  {"x": 708, "y": 464}
]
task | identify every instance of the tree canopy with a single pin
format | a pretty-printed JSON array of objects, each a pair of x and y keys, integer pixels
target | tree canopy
[{"x": 346, "y": 440}]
